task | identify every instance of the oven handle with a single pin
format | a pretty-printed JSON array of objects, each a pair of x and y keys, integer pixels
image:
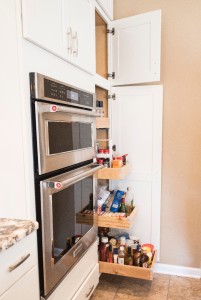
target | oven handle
[
  {"x": 59, "y": 185},
  {"x": 53, "y": 108}
]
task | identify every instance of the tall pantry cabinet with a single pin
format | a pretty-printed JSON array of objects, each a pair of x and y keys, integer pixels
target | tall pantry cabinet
[{"x": 128, "y": 53}]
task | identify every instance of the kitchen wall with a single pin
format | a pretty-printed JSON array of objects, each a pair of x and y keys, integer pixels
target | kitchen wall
[{"x": 181, "y": 157}]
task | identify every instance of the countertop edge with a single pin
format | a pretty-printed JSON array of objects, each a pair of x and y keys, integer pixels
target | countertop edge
[{"x": 14, "y": 230}]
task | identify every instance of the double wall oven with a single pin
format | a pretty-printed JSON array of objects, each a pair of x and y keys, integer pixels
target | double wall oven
[{"x": 63, "y": 119}]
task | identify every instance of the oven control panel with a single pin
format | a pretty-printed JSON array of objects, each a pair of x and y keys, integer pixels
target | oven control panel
[
  {"x": 68, "y": 94},
  {"x": 46, "y": 88}
]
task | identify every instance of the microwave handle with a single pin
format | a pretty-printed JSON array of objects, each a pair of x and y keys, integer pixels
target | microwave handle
[
  {"x": 57, "y": 185},
  {"x": 58, "y": 108}
]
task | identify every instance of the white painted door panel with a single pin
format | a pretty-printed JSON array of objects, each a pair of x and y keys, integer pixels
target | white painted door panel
[
  {"x": 136, "y": 48},
  {"x": 107, "y": 6},
  {"x": 26, "y": 288},
  {"x": 42, "y": 24},
  {"x": 81, "y": 23},
  {"x": 137, "y": 130},
  {"x": 89, "y": 285}
]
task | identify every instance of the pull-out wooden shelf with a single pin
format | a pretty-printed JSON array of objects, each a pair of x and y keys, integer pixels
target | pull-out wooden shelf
[
  {"x": 114, "y": 173},
  {"x": 102, "y": 123},
  {"x": 106, "y": 221},
  {"x": 115, "y": 222},
  {"x": 130, "y": 271}
]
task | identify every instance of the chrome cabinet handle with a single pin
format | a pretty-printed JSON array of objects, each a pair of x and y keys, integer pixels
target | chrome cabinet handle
[
  {"x": 69, "y": 35},
  {"x": 90, "y": 291},
  {"x": 75, "y": 44},
  {"x": 23, "y": 258}
]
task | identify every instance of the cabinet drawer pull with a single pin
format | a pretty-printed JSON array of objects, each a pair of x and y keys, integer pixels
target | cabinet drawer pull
[
  {"x": 23, "y": 258},
  {"x": 91, "y": 289}
]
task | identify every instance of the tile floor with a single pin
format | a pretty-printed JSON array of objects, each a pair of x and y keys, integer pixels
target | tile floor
[{"x": 163, "y": 287}]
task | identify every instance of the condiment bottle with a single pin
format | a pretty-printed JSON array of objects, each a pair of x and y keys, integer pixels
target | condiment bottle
[
  {"x": 123, "y": 205},
  {"x": 129, "y": 258},
  {"x": 144, "y": 259},
  {"x": 110, "y": 255},
  {"x": 136, "y": 256},
  {"x": 115, "y": 255},
  {"x": 104, "y": 249},
  {"x": 121, "y": 256}
]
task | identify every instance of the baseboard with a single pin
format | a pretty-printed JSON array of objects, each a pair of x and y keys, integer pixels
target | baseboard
[{"x": 177, "y": 270}]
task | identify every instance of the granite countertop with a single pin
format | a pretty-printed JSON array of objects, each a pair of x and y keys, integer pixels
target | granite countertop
[{"x": 14, "y": 230}]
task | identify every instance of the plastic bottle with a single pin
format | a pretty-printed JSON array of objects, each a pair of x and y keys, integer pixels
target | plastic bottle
[
  {"x": 104, "y": 249},
  {"x": 129, "y": 200},
  {"x": 121, "y": 256}
]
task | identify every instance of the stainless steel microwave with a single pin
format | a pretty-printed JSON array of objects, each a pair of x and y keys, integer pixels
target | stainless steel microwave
[{"x": 64, "y": 124}]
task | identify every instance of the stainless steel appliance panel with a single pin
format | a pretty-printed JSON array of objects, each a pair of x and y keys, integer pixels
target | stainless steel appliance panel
[
  {"x": 62, "y": 197},
  {"x": 65, "y": 136}
]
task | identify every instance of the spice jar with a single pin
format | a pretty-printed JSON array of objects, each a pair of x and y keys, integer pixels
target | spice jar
[{"x": 117, "y": 162}]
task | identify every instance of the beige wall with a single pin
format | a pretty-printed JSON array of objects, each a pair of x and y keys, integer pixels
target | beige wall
[{"x": 181, "y": 164}]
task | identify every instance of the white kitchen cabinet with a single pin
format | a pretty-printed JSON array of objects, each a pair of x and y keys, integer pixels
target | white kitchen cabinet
[
  {"x": 42, "y": 23},
  {"x": 63, "y": 27},
  {"x": 136, "y": 49},
  {"x": 137, "y": 130},
  {"x": 133, "y": 48},
  {"x": 89, "y": 285},
  {"x": 25, "y": 288},
  {"x": 82, "y": 277},
  {"x": 107, "y": 6},
  {"x": 13, "y": 200},
  {"x": 19, "y": 270},
  {"x": 78, "y": 33}
]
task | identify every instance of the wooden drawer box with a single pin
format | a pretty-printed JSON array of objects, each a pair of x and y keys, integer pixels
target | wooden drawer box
[
  {"x": 106, "y": 221},
  {"x": 114, "y": 173},
  {"x": 129, "y": 271},
  {"x": 115, "y": 222}
]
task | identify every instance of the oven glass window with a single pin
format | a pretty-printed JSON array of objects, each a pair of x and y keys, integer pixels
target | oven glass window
[
  {"x": 64, "y": 136},
  {"x": 67, "y": 226}
]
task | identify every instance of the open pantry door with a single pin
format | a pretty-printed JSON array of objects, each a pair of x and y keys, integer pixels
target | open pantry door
[
  {"x": 136, "y": 46},
  {"x": 137, "y": 130}
]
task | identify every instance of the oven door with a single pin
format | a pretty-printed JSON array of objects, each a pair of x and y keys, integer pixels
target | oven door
[
  {"x": 65, "y": 136},
  {"x": 64, "y": 236}
]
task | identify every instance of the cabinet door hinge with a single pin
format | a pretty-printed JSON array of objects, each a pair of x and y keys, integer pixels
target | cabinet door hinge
[
  {"x": 112, "y": 75},
  {"x": 113, "y": 96},
  {"x": 114, "y": 148},
  {"x": 112, "y": 31}
]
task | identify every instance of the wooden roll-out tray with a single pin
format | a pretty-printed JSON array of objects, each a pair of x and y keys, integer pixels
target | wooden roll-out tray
[
  {"x": 105, "y": 220},
  {"x": 129, "y": 271}
]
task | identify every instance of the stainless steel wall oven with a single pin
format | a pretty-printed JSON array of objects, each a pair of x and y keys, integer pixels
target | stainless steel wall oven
[{"x": 63, "y": 122}]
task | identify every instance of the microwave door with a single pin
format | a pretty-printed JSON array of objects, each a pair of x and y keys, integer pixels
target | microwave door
[
  {"x": 65, "y": 136},
  {"x": 64, "y": 237}
]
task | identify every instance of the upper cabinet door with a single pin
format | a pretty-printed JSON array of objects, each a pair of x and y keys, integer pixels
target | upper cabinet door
[
  {"x": 78, "y": 31},
  {"x": 107, "y": 6},
  {"x": 42, "y": 23},
  {"x": 136, "y": 49},
  {"x": 64, "y": 28}
]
